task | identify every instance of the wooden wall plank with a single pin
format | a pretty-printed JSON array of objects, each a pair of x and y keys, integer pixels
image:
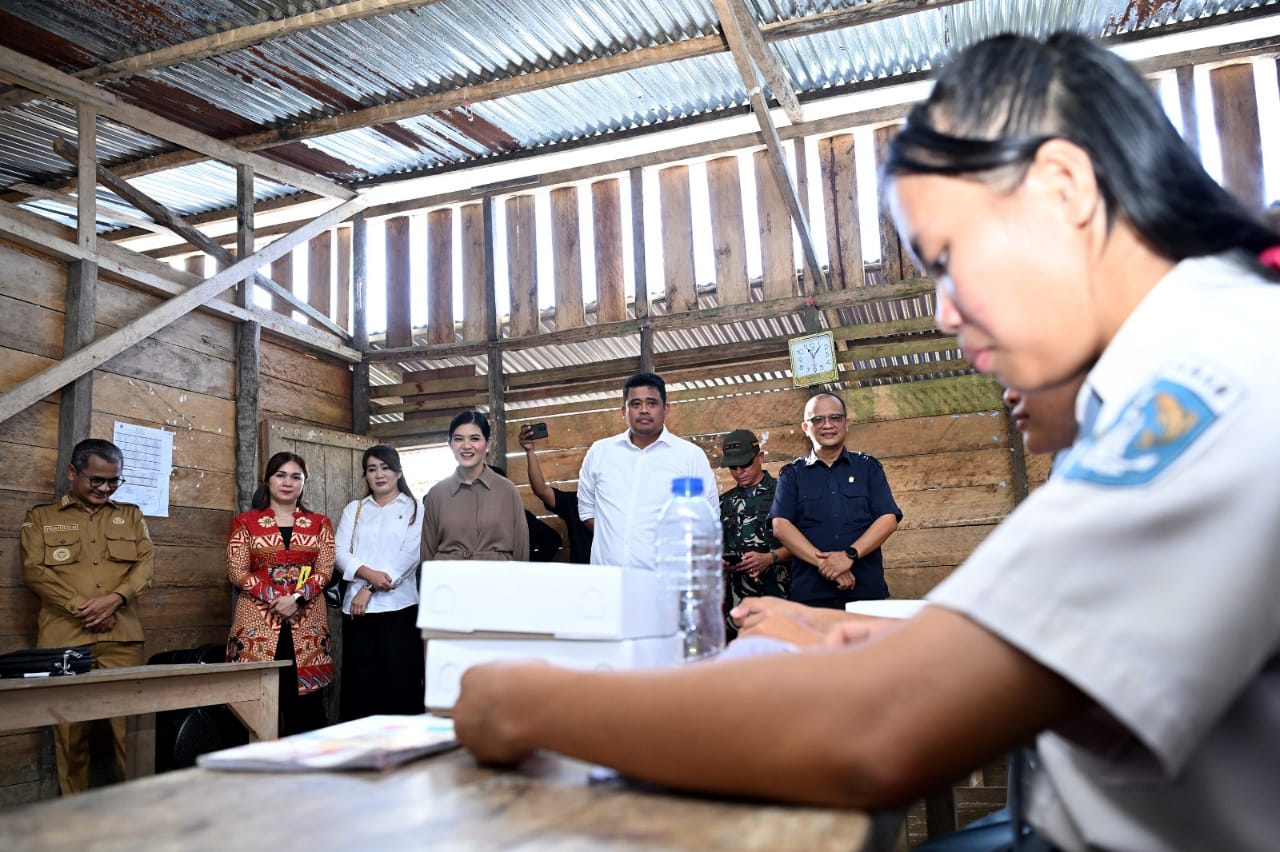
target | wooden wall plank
[
  {"x": 677, "y": 239},
  {"x": 840, "y": 207},
  {"x": 138, "y": 400},
  {"x": 1235, "y": 112},
  {"x": 891, "y": 269},
  {"x": 475, "y": 298},
  {"x": 566, "y": 254},
  {"x": 933, "y": 546},
  {"x": 399, "y": 303},
  {"x": 282, "y": 274},
  {"x": 606, "y": 219},
  {"x": 522, "y": 265},
  {"x": 728, "y": 234},
  {"x": 440, "y": 328},
  {"x": 320, "y": 274},
  {"x": 342, "y": 278},
  {"x": 155, "y": 360},
  {"x": 776, "y": 245}
]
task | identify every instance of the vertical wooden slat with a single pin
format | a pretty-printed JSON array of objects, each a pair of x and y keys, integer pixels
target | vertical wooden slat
[
  {"x": 566, "y": 255},
  {"x": 320, "y": 273},
  {"x": 639, "y": 258},
  {"x": 728, "y": 234},
  {"x": 360, "y": 324},
  {"x": 802, "y": 197},
  {"x": 497, "y": 379},
  {"x": 1187, "y": 101},
  {"x": 778, "y": 266},
  {"x": 399, "y": 304},
  {"x": 244, "y": 230},
  {"x": 606, "y": 219},
  {"x": 282, "y": 274},
  {"x": 677, "y": 239},
  {"x": 840, "y": 206},
  {"x": 87, "y": 177},
  {"x": 342, "y": 312},
  {"x": 440, "y": 276},
  {"x": 1235, "y": 111},
  {"x": 76, "y": 399},
  {"x": 475, "y": 271},
  {"x": 195, "y": 264},
  {"x": 522, "y": 265},
  {"x": 890, "y": 245}
]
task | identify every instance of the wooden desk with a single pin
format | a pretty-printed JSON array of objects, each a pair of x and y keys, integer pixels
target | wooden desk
[
  {"x": 442, "y": 802},
  {"x": 139, "y": 692}
]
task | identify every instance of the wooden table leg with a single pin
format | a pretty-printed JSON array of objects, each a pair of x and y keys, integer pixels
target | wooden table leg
[{"x": 140, "y": 746}]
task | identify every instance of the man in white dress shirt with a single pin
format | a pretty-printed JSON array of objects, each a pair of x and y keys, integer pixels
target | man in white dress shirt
[{"x": 625, "y": 479}]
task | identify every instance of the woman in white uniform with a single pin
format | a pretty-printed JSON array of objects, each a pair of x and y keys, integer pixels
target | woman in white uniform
[
  {"x": 1127, "y": 615},
  {"x": 378, "y": 542}
]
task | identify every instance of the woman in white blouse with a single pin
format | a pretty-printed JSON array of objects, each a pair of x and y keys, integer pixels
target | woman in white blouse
[{"x": 378, "y": 543}]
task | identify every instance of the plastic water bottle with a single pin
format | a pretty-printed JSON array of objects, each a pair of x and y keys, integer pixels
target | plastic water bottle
[{"x": 688, "y": 564}]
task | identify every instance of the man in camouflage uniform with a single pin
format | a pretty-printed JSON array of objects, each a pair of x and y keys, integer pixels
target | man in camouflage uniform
[
  {"x": 87, "y": 558},
  {"x": 756, "y": 564}
]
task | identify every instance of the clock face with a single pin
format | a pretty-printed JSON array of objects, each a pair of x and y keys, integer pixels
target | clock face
[{"x": 813, "y": 359}]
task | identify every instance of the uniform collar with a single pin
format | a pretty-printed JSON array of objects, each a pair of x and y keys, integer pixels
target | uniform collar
[
  {"x": 812, "y": 459},
  {"x": 68, "y": 500}
]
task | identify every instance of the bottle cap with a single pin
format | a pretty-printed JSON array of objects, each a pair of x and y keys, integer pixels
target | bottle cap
[{"x": 686, "y": 486}]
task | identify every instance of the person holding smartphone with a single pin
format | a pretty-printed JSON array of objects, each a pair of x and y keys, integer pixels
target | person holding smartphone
[
  {"x": 756, "y": 564},
  {"x": 563, "y": 503}
]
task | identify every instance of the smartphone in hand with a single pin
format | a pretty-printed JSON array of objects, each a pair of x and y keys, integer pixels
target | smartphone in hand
[{"x": 535, "y": 431}]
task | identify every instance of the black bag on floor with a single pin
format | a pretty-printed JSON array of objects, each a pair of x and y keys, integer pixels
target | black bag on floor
[{"x": 46, "y": 662}]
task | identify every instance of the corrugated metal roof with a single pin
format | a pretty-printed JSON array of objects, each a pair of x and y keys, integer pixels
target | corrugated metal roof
[{"x": 339, "y": 68}]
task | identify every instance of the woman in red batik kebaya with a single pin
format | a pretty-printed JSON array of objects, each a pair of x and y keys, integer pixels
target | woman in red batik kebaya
[{"x": 279, "y": 559}]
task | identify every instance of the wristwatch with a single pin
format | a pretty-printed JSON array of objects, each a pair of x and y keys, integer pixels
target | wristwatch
[{"x": 852, "y": 553}]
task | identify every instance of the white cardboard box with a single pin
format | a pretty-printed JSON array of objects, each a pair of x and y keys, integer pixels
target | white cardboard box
[
  {"x": 549, "y": 599},
  {"x": 447, "y": 659}
]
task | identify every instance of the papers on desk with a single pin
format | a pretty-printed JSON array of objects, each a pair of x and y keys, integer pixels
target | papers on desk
[{"x": 375, "y": 742}]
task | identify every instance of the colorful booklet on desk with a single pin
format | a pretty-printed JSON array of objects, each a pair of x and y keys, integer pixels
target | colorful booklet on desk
[{"x": 375, "y": 742}]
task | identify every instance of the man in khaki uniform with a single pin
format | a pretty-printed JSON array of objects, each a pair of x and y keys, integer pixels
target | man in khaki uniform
[{"x": 88, "y": 558}]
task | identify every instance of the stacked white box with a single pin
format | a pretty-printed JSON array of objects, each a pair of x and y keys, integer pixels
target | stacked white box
[{"x": 580, "y": 616}]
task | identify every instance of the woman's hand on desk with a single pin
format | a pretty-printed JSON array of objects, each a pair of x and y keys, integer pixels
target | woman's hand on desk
[{"x": 487, "y": 717}]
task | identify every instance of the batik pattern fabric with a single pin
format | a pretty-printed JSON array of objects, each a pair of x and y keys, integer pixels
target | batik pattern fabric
[
  {"x": 262, "y": 570},
  {"x": 744, "y": 514}
]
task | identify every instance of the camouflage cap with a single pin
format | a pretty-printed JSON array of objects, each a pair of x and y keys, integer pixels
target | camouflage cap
[{"x": 740, "y": 447}]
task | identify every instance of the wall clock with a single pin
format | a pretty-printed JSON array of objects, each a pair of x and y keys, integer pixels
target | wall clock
[{"x": 813, "y": 359}]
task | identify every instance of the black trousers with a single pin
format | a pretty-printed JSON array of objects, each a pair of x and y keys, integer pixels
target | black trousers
[
  {"x": 382, "y": 664},
  {"x": 298, "y": 713}
]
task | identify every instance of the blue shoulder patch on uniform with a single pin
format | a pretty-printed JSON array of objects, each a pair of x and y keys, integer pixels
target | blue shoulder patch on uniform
[{"x": 1151, "y": 433}]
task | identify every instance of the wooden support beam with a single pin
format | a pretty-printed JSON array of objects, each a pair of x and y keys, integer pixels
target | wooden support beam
[
  {"x": 248, "y": 353},
  {"x": 76, "y": 404},
  {"x": 639, "y": 260},
  {"x": 50, "y": 81},
  {"x": 86, "y": 161},
  {"x": 52, "y": 240},
  {"x": 742, "y": 34},
  {"x": 284, "y": 299},
  {"x": 248, "y": 387},
  {"x": 42, "y": 384},
  {"x": 497, "y": 385},
  {"x": 360, "y": 324},
  {"x": 342, "y": 314},
  {"x": 777, "y": 259},
  {"x": 891, "y": 268}
]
